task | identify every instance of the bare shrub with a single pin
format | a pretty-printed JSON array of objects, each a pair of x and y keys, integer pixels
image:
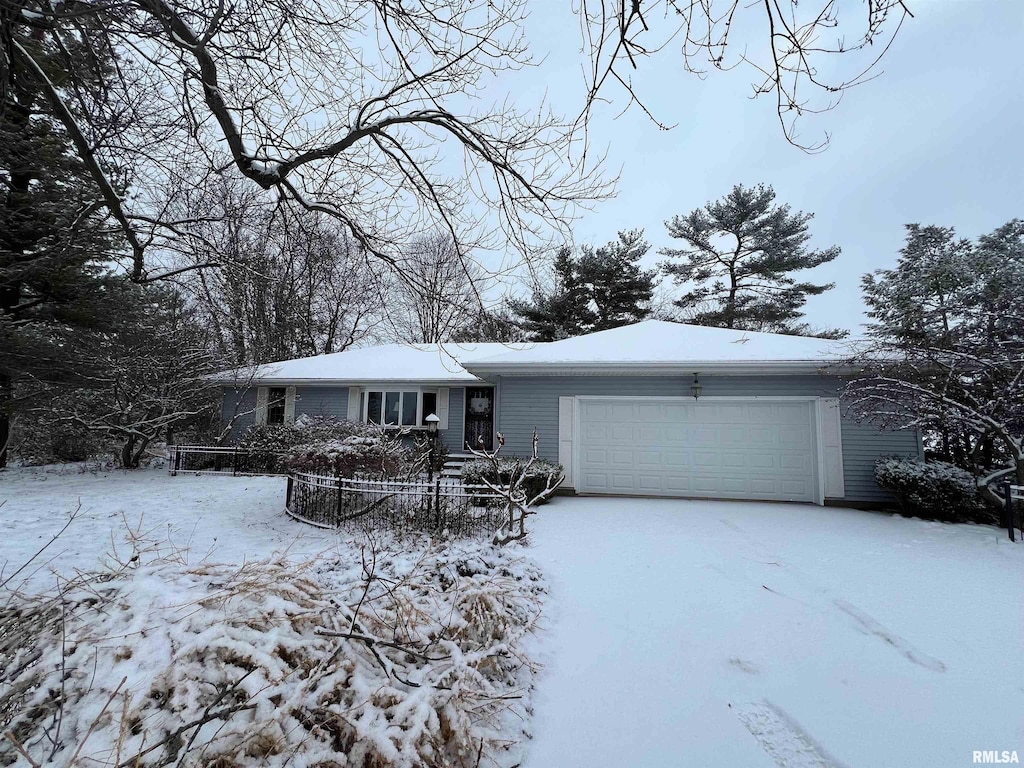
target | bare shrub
[{"x": 390, "y": 657}]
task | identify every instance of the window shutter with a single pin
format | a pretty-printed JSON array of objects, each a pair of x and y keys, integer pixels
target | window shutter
[
  {"x": 832, "y": 448},
  {"x": 353, "y": 404},
  {"x": 289, "y": 405},
  {"x": 262, "y": 394},
  {"x": 442, "y": 407},
  {"x": 566, "y": 415}
]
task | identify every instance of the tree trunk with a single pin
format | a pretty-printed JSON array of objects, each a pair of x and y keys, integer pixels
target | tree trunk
[
  {"x": 128, "y": 457},
  {"x": 5, "y": 417}
]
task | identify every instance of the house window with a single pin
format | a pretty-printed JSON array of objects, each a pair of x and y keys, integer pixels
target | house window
[
  {"x": 398, "y": 407},
  {"x": 429, "y": 406},
  {"x": 275, "y": 405}
]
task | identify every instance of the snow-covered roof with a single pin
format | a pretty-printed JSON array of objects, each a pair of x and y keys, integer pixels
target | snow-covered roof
[
  {"x": 656, "y": 345},
  {"x": 652, "y": 346},
  {"x": 429, "y": 363}
]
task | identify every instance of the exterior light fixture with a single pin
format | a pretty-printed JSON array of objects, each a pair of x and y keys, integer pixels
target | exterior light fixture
[
  {"x": 696, "y": 387},
  {"x": 432, "y": 421}
]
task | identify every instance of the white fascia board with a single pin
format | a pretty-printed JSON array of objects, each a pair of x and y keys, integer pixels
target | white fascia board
[
  {"x": 707, "y": 367},
  {"x": 463, "y": 382}
]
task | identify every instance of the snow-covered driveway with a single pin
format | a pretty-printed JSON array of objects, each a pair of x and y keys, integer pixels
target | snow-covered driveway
[{"x": 684, "y": 633}]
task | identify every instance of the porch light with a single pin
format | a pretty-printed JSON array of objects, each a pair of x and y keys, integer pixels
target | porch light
[
  {"x": 432, "y": 422},
  {"x": 696, "y": 387}
]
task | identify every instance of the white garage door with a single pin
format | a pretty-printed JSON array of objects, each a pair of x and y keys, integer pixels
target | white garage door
[{"x": 706, "y": 449}]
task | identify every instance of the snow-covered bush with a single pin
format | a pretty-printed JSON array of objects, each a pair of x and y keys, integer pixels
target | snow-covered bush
[
  {"x": 331, "y": 446},
  {"x": 281, "y": 438},
  {"x": 536, "y": 479},
  {"x": 353, "y": 456},
  {"x": 934, "y": 490},
  {"x": 410, "y": 657}
]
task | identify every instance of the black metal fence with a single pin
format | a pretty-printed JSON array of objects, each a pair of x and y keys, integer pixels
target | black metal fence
[
  {"x": 221, "y": 459},
  {"x": 443, "y": 505},
  {"x": 1012, "y": 518}
]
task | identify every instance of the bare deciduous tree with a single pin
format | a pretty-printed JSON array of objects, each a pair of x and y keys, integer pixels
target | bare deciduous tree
[
  {"x": 436, "y": 292},
  {"x": 368, "y": 112},
  {"x": 799, "y": 41},
  {"x": 292, "y": 284}
]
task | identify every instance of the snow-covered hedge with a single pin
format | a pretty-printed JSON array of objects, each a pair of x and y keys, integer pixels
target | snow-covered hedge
[
  {"x": 331, "y": 446},
  {"x": 934, "y": 490},
  {"x": 475, "y": 472},
  {"x": 400, "y": 658}
]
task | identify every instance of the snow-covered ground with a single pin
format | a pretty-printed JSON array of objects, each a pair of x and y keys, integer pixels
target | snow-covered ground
[
  {"x": 209, "y": 630},
  {"x": 746, "y": 634},
  {"x": 228, "y": 519},
  {"x": 677, "y": 633}
]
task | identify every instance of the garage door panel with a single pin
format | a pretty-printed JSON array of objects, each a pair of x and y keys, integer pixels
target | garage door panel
[
  {"x": 761, "y": 461},
  {"x": 622, "y": 458},
  {"x": 676, "y": 459},
  {"x": 755, "y": 450},
  {"x": 622, "y": 482}
]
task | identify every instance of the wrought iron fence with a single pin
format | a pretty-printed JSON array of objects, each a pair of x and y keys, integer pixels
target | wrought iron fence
[
  {"x": 1013, "y": 495},
  {"x": 222, "y": 459},
  {"x": 443, "y": 505}
]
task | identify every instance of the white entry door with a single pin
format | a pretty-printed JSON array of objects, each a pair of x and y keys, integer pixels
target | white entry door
[{"x": 717, "y": 449}]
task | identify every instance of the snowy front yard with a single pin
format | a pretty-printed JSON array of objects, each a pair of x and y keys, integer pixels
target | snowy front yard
[{"x": 675, "y": 633}]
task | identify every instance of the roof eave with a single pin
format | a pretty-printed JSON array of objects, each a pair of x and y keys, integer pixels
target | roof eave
[
  {"x": 640, "y": 368},
  {"x": 347, "y": 382}
]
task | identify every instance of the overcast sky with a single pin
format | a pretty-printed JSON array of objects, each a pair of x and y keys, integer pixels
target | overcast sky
[{"x": 937, "y": 139}]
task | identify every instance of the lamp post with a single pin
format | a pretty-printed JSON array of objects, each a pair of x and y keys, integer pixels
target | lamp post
[{"x": 432, "y": 421}]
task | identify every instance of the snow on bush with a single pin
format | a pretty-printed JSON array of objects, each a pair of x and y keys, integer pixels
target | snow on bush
[
  {"x": 536, "y": 479},
  {"x": 410, "y": 657},
  {"x": 934, "y": 490}
]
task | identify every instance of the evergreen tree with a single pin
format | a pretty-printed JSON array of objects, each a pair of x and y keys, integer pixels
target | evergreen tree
[
  {"x": 53, "y": 244},
  {"x": 561, "y": 311},
  {"x": 620, "y": 291},
  {"x": 948, "y": 352},
  {"x": 916, "y": 301},
  {"x": 598, "y": 289},
  {"x": 489, "y": 325},
  {"x": 739, "y": 256}
]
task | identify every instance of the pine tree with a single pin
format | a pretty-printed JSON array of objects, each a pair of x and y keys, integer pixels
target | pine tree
[
  {"x": 949, "y": 345},
  {"x": 561, "y": 311},
  {"x": 916, "y": 301},
  {"x": 53, "y": 243},
  {"x": 739, "y": 256},
  {"x": 621, "y": 291}
]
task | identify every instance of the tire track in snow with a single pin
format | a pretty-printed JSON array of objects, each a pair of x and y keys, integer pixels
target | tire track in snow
[
  {"x": 873, "y": 627},
  {"x": 782, "y": 738}
]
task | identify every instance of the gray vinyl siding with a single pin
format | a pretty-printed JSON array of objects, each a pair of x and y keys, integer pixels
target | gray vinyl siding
[
  {"x": 240, "y": 405},
  {"x": 532, "y": 401},
  {"x": 332, "y": 401},
  {"x": 322, "y": 401}
]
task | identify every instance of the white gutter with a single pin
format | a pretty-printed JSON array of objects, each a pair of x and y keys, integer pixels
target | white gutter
[{"x": 656, "y": 368}]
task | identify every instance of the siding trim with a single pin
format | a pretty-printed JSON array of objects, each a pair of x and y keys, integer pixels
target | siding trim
[
  {"x": 354, "y": 409},
  {"x": 262, "y": 398},
  {"x": 566, "y": 437},
  {"x": 831, "y": 435},
  {"x": 442, "y": 407},
  {"x": 289, "y": 405}
]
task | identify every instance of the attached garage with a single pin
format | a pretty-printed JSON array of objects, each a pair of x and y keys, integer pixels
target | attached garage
[{"x": 722, "y": 448}]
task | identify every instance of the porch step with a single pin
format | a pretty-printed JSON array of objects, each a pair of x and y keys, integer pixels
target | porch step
[{"x": 453, "y": 466}]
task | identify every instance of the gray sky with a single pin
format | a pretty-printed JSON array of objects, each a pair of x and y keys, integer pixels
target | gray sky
[{"x": 937, "y": 139}]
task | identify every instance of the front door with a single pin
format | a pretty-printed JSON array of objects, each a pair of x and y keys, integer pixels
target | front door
[{"x": 480, "y": 417}]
